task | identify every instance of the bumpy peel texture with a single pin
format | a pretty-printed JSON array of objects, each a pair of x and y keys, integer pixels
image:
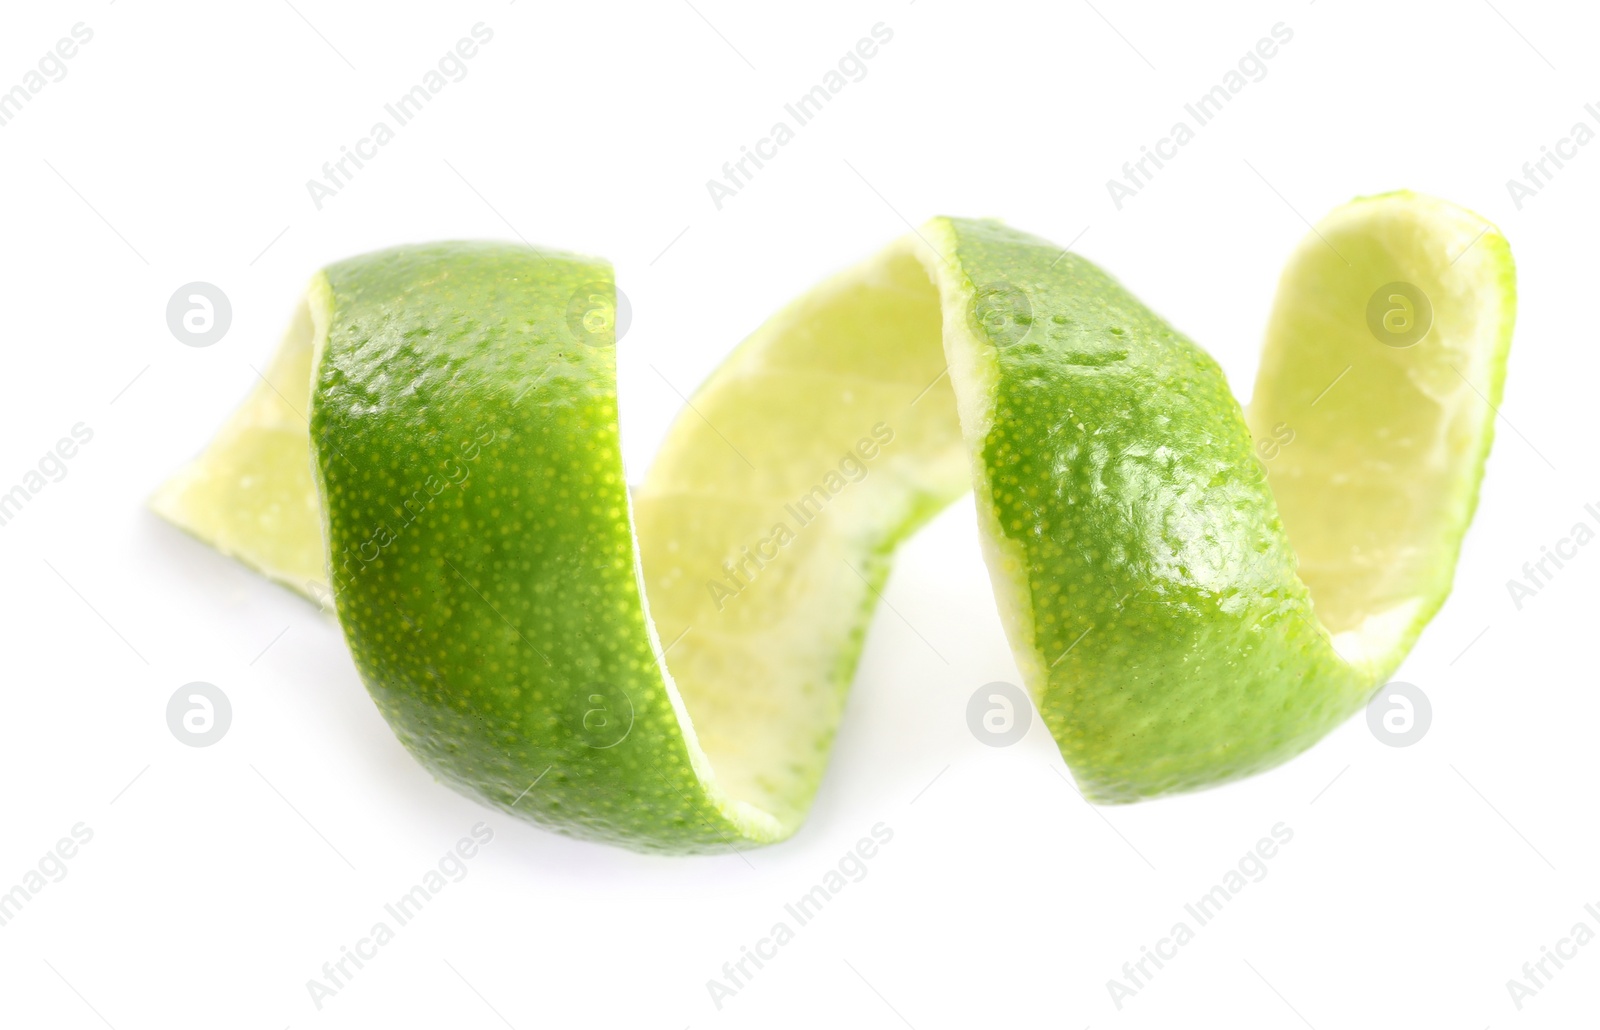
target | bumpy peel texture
[{"x": 665, "y": 667}]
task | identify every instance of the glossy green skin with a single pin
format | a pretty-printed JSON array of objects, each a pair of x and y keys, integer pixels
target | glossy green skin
[
  {"x": 465, "y": 440},
  {"x": 486, "y": 616},
  {"x": 1181, "y": 646}
]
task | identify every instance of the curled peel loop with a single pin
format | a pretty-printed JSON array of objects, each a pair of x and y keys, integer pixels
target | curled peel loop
[{"x": 1193, "y": 592}]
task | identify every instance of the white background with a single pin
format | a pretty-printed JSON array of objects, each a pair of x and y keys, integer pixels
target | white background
[{"x": 220, "y": 879}]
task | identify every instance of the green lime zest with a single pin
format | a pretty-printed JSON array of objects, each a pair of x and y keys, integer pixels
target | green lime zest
[{"x": 1192, "y": 593}]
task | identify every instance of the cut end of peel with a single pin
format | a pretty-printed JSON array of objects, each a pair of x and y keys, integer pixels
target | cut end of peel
[
  {"x": 250, "y": 494},
  {"x": 1212, "y": 673},
  {"x": 1379, "y": 426}
]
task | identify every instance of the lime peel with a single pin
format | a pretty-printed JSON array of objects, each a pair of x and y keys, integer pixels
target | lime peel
[{"x": 436, "y": 445}]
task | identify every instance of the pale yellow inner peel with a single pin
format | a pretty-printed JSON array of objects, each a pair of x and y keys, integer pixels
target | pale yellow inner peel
[
  {"x": 1364, "y": 486},
  {"x": 1370, "y": 485}
]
